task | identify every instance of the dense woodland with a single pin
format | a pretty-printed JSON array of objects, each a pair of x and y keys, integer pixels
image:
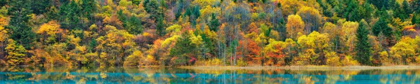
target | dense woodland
[{"x": 209, "y": 32}]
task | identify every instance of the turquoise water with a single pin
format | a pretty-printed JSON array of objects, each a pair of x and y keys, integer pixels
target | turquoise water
[{"x": 184, "y": 76}]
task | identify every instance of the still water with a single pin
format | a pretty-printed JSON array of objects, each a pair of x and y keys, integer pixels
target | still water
[{"x": 111, "y": 75}]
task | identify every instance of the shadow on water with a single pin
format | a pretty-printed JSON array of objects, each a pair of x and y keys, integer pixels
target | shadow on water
[{"x": 175, "y": 75}]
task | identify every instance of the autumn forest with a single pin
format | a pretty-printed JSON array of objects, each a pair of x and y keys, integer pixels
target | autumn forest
[{"x": 209, "y": 32}]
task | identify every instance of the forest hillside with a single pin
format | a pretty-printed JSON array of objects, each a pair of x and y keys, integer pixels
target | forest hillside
[{"x": 209, "y": 32}]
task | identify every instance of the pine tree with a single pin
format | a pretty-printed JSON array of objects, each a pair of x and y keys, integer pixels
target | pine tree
[
  {"x": 21, "y": 31},
  {"x": 214, "y": 23},
  {"x": 363, "y": 47},
  {"x": 382, "y": 26},
  {"x": 160, "y": 26},
  {"x": 134, "y": 25},
  {"x": 40, "y": 6},
  {"x": 406, "y": 8}
]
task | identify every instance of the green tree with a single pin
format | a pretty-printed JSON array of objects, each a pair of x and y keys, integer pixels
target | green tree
[
  {"x": 19, "y": 22},
  {"x": 214, "y": 23},
  {"x": 363, "y": 47},
  {"x": 92, "y": 45},
  {"x": 152, "y": 8},
  {"x": 40, "y": 6},
  {"x": 136, "y": 2},
  {"x": 88, "y": 7},
  {"x": 160, "y": 26},
  {"x": 182, "y": 48},
  {"x": 382, "y": 26},
  {"x": 406, "y": 7},
  {"x": 134, "y": 25},
  {"x": 69, "y": 13}
]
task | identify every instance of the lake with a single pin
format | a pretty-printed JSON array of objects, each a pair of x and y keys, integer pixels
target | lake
[{"x": 108, "y": 75}]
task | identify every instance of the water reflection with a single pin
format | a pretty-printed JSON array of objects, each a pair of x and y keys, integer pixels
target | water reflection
[{"x": 174, "y": 75}]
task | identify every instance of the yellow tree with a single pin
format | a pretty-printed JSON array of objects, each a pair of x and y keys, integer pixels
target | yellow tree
[
  {"x": 349, "y": 35},
  {"x": 314, "y": 45},
  {"x": 311, "y": 17},
  {"x": 48, "y": 31},
  {"x": 290, "y": 6},
  {"x": 403, "y": 51},
  {"x": 3, "y": 37},
  {"x": 15, "y": 53},
  {"x": 294, "y": 26}
]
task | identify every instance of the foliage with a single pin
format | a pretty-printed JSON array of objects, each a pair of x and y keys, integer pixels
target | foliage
[
  {"x": 363, "y": 47},
  {"x": 209, "y": 32}
]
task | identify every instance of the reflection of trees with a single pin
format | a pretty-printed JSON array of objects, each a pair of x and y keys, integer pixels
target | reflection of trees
[{"x": 173, "y": 75}]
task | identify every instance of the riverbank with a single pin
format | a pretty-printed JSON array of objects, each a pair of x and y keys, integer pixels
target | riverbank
[{"x": 396, "y": 67}]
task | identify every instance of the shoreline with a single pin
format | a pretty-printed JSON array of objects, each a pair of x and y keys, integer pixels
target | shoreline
[{"x": 309, "y": 67}]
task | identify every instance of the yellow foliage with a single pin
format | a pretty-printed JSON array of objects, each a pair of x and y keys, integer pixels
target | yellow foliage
[
  {"x": 15, "y": 53},
  {"x": 74, "y": 40},
  {"x": 3, "y": 21},
  {"x": 50, "y": 28},
  {"x": 3, "y": 34},
  {"x": 134, "y": 59},
  {"x": 403, "y": 51},
  {"x": 349, "y": 35},
  {"x": 203, "y": 3},
  {"x": 314, "y": 40},
  {"x": 332, "y": 59},
  {"x": 214, "y": 62},
  {"x": 174, "y": 29},
  {"x": 195, "y": 39},
  {"x": 294, "y": 25},
  {"x": 331, "y": 29},
  {"x": 169, "y": 41},
  {"x": 208, "y": 10},
  {"x": 349, "y": 61}
]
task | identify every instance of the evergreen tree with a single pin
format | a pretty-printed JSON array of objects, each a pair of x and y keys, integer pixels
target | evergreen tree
[
  {"x": 214, "y": 23},
  {"x": 70, "y": 15},
  {"x": 182, "y": 48},
  {"x": 88, "y": 6},
  {"x": 151, "y": 7},
  {"x": 52, "y": 14},
  {"x": 363, "y": 47},
  {"x": 134, "y": 25},
  {"x": 382, "y": 26},
  {"x": 92, "y": 45},
  {"x": 40, "y": 6},
  {"x": 407, "y": 9},
  {"x": 160, "y": 26},
  {"x": 136, "y": 2},
  {"x": 19, "y": 17}
]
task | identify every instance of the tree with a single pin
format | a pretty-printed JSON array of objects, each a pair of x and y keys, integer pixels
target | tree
[
  {"x": 182, "y": 49},
  {"x": 40, "y": 6},
  {"x": 48, "y": 31},
  {"x": 406, "y": 7},
  {"x": 404, "y": 51},
  {"x": 19, "y": 22},
  {"x": 136, "y": 2},
  {"x": 88, "y": 7},
  {"x": 160, "y": 26},
  {"x": 311, "y": 17},
  {"x": 380, "y": 3},
  {"x": 134, "y": 25},
  {"x": 151, "y": 7},
  {"x": 382, "y": 27},
  {"x": 294, "y": 26},
  {"x": 15, "y": 53},
  {"x": 69, "y": 13},
  {"x": 363, "y": 47},
  {"x": 214, "y": 23}
]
